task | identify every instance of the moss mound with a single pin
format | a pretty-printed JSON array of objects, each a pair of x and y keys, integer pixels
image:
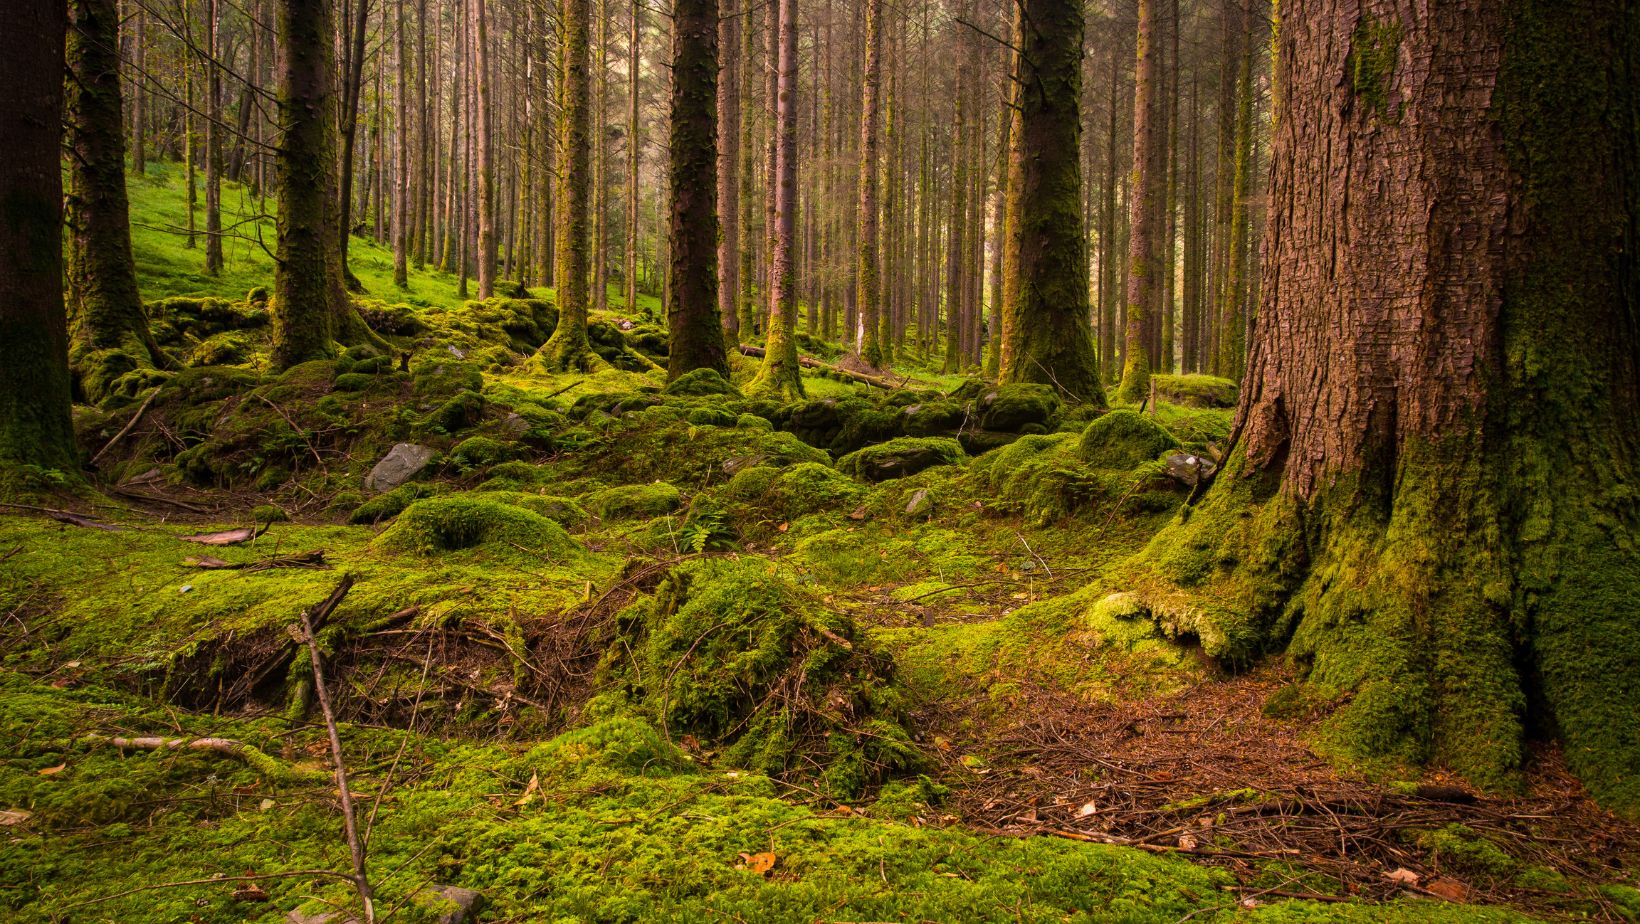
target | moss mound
[
  {"x": 701, "y": 382},
  {"x": 742, "y": 659},
  {"x": 1123, "y": 439},
  {"x": 1015, "y": 408},
  {"x": 1196, "y": 390},
  {"x": 447, "y": 524},
  {"x": 634, "y": 501},
  {"x": 898, "y": 458}
]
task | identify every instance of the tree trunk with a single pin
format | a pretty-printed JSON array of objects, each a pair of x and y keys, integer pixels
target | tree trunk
[
  {"x": 111, "y": 335},
  {"x": 692, "y": 297},
  {"x": 1429, "y": 498},
  {"x": 866, "y": 294},
  {"x": 483, "y": 152},
  {"x": 568, "y": 348},
  {"x": 634, "y": 147},
  {"x": 1046, "y": 338},
  {"x": 1144, "y": 294},
  {"x": 139, "y": 80},
  {"x": 728, "y": 171},
  {"x": 353, "y": 75},
  {"x": 781, "y": 376},
  {"x": 213, "y": 142},
  {"x": 35, "y": 427},
  {"x": 401, "y": 131}
]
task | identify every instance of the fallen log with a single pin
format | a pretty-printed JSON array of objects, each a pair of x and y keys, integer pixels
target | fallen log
[
  {"x": 254, "y": 758},
  {"x": 809, "y": 362}
]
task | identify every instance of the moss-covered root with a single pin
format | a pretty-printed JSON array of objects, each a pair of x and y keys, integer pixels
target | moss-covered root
[{"x": 275, "y": 771}]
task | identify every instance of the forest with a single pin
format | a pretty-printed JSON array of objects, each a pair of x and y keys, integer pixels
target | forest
[{"x": 819, "y": 461}]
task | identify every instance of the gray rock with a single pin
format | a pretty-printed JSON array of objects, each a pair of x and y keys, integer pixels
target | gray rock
[
  {"x": 1188, "y": 468},
  {"x": 453, "y": 904},
  {"x": 920, "y": 505},
  {"x": 402, "y": 463},
  {"x": 317, "y": 917}
]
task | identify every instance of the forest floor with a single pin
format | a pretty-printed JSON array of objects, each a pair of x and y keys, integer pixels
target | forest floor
[{"x": 611, "y": 650}]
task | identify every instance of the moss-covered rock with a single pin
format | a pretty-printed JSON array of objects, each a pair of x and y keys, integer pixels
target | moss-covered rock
[
  {"x": 901, "y": 457},
  {"x": 390, "y": 504},
  {"x": 697, "y": 382},
  {"x": 1122, "y": 439},
  {"x": 634, "y": 501},
  {"x": 463, "y": 410},
  {"x": 1195, "y": 390},
  {"x": 477, "y": 452},
  {"x": 1011, "y": 408},
  {"x": 933, "y": 418},
  {"x": 740, "y": 658},
  {"x": 456, "y": 522}
]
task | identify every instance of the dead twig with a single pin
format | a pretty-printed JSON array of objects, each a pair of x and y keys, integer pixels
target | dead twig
[{"x": 141, "y": 409}]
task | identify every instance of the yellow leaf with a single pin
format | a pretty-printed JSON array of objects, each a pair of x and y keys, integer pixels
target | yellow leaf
[
  {"x": 529, "y": 791},
  {"x": 52, "y": 771},
  {"x": 759, "y": 863}
]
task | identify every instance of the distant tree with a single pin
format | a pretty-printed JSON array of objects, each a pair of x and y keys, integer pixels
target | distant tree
[
  {"x": 110, "y": 334},
  {"x": 35, "y": 427},
  {"x": 1145, "y": 264},
  {"x": 1046, "y": 336},
  {"x": 483, "y": 154},
  {"x": 731, "y": 63},
  {"x": 692, "y": 297},
  {"x": 868, "y": 256}
]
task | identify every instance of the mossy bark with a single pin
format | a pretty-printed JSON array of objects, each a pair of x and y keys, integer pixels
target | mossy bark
[
  {"x": 780, "y": 375},
  {"x": 1442, "y": 529},
  {"x": 35, "y": 428},
  {"x": 110, "y": 331},
  {"x": 692, "y": 298},
  {"x": 866, "y": 257},
  {"x": 1046, "y": 335},
  {"x": 1145, "y": 264},
  {"x": 568, "y": 348}
]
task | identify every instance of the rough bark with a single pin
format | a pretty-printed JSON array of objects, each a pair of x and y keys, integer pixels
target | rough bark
[
  {"x": 35, "y": 428},
  {"x": 728, "y": 170},
  {"x": 483, "y": 144},
  {"x": 568, "y": 348},
  {"x": 401, "y": 132},
  {"x": 634, "y": 145},
  {"x": 213, "y": 142},
  {"x": 1430, "y": 496},
  {"x": 780, "y": 375},
  {"x": 1045, "y": 329},
  {"x": 110, "y": 333},
  {"x": 692, "y": 298}
]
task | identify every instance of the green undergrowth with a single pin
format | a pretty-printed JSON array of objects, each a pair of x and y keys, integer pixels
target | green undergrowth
[{"x": 610, "y": 822}]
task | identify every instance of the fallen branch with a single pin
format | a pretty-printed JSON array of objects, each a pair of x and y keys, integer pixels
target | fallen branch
[
  {"x": 142, "y": 409},
  {"x": 269, "y": 767},
  {"x": 361, "y": 881},
  {"x": 66, "y": 516},
  {"x": 809, "y": 362},
  {"x": 298, "y": 874},
  {"x": 314, "y": 560}
]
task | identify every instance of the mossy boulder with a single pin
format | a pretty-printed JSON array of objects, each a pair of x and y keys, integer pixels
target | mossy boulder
[
  {"x": 765, "y": 494},
  {"x": 456, "y": 522},
  {"x": 440, "y": 379},
  {"x": 1196, "y": 390},
  {"x": 228, "y": 348},
  {"x": 1122, "y": 439},
  {"x": 933, "y": 418},
  {"x": 736, "y": 655},
  {"x": 391, "y": 504},
  {"x": 1012, "y": 408},
  {"x": 478, "y": 452},
  {"x": 635, "y": 501},
  {"x": 699, "y": 382},
  {"x": 901, "y": 457},
  {"x": 711, "y": 417},
  {"x": 463, "y": 410}
]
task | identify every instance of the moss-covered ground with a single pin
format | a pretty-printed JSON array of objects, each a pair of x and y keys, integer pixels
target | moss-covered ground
[{"x": 623, "y": 651}]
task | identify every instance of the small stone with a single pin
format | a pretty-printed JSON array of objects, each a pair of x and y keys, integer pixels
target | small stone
[
  {"x": 1189, "y": 469},
  {"x": 456, "y": 352},
  {"x": 454, "y": 904},
  {"x": 402, "y": 463},
  {"x": 921, "y": 504}
]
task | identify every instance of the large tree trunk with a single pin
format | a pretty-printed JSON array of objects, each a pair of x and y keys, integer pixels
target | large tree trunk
[
  {"x": 568, "y": 348},
  {"x": 1046, "y": 337},
  {"x": 1436, "y": 433},
  {"x": 35, "y": 428},
  {"x": 1144, "y": 294},
  {"x": 866, "y": 294},
  {"x": 781, "y": 375},
  {"x": 692, "y": 297},
  {"x": 111, "y": 336}
]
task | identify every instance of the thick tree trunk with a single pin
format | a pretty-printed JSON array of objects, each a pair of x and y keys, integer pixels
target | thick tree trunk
[
  {"x": 111, "y": 335},
  {"x": 1436, "y": 432},
  {"x": 1145, "y": 265},
  {"x": 781, "y": 376},
  {"x": 568, "y": 348},
  {"x": 35, "y": 428},
  {"x": 1045, "y": 330},
  {"x": 692, "y": 297},
  {"x": 866, "y": 283}
]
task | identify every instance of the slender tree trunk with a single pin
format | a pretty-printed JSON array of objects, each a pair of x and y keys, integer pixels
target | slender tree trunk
[
  {"x": 1146, "y": 221},
  {"x": 139, "y": 100},
  {"x": 692, "y": 298},
  {"x": 1232, "y": 316},
  {"x": 866, "y": 256},
  {"x": 568, "y": 348},
  {"x": 401, "y": 133},
  {"x": 1046, "y": 336},
  {"x": 728, "y": 170},
  {"x": 634, "y": 145},
  {"x": 482, "y": 144},
  {"x": 781, "y": 376},
  {"x": 353, "y": 75},
  {"x": 600, "y": 164}
]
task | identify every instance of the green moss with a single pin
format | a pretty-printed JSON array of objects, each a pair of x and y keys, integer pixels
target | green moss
[
  {"x": 634, "y": 501},
  {"x": 1196, "y": 390},
  {"x": 1122, "y": 439},
  {"x": 701, "y": 382},
  {"x": 478, "y": 452},
  {"x": 898, "y": 458},
  {"x": 463, "y": 410},
  {"x": 445, "y": 524},
  {"x": 1374, "y": 47},
  {"x": 1455, "y": 848},
  {"x": 391, "y": 504},
  {"x": 1010, "y": 408}
]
